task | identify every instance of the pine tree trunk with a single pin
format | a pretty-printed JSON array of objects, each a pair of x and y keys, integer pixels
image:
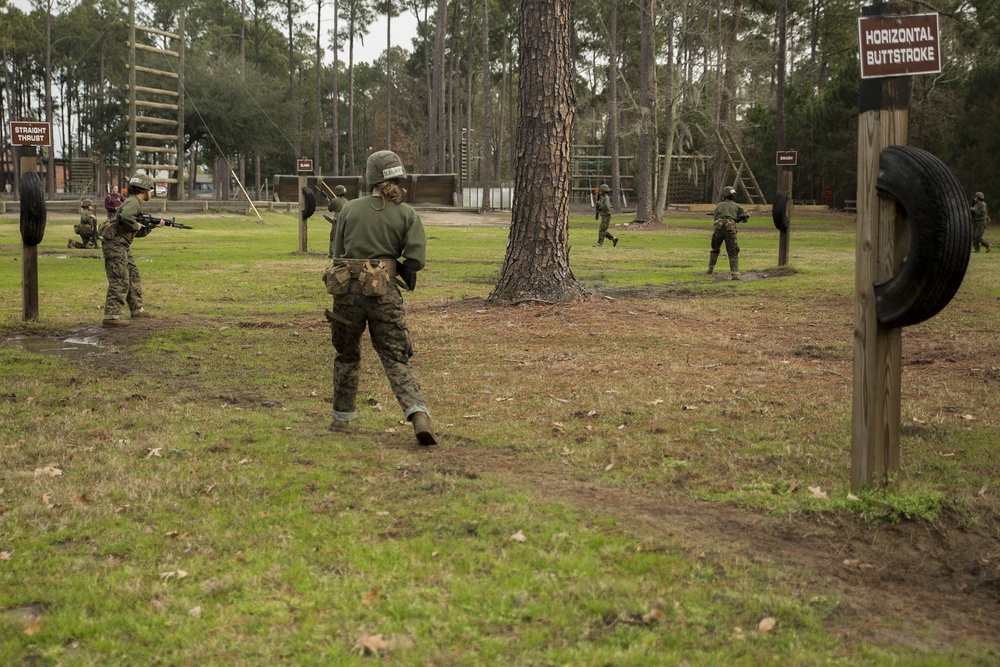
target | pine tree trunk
[{"x": 536, "y": 266}]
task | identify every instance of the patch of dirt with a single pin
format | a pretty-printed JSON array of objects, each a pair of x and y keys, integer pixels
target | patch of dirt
[{"x": 930, "y": 586}]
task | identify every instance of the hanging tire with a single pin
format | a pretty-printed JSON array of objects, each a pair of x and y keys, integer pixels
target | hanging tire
[
  {"x": 940, "y": 236},
  {"x": 32, "y": 196},
  {"x": 309, "y": 198},
  {"x": 779, "y": 210}
]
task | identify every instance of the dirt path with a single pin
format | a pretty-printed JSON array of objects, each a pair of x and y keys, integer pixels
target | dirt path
[{"x": 932, "y": 587}]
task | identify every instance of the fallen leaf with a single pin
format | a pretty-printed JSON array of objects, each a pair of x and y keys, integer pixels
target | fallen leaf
[
  {"x": 817, "y": 492},
  {"x": 314, "y": 393},
  {"x": 968, "y": 417},
  {"x": 46, "y": 497},
  {"x": 244, "y": 462},
  {"x": 155, "y": 452},
  {"x": 82, "y": 499},
  {"x": 49, "y": 470},
  {"x": 609, "y": 466},
  {"x": 240, "y": 558},
  {"x": 918, "y": 421},
  {"x": 370, "y": 644},
  {"x": 371, "y": 597},
  {"x": 766, "y": 625},
  {"x": 592, "y": 413},
  {"x": 34, "y": 625},
  {"x": 690, "y": 407},
  {"x": 621, "y": 426},
  {"x": 195, "y": 611},
  {"x": 566, "y": 451},
  {"x": 656, "y": 401},
  {"x": 5, "y": 555},
  {"x": 391, "y": 430},
  {"x": 982, "y": 491},
  {"x": 851, "y": 496},
  {"x": 561, "y": 400},
  {"x": 654, "y": 615},
  {"x": 851, "y": 562},
  {"x": 794, "y": 485},
  {"x": 519, "y": 537},
  {"x": 172, "y": 534}
]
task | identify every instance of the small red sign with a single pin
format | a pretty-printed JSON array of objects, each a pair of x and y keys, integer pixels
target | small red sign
[
  {"x": 30, "y": 133},
  {"x": 787, "y": 158},
  {"x": 304, "y": 165},
  {"x": 899, "y": 45}
]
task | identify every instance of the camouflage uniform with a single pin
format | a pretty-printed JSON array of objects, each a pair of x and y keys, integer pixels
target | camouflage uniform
[
  {"x": 87, "y": 229},
  {"x": 335, "y": 207},
  {"x": 605, "y": 209},
  {"x": 980, "y": 216},
  {"x": 371, "y": 228},
  {"x": 124, "y": 284},
  {"x": 727, "y": 214}
]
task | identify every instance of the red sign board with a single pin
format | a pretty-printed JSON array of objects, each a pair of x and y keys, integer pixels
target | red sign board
[
  {"x": 787, "y": 158},
  {"x": 303, "y": 164},
  {"x": 29, "y": 133},
  {"x": 899, "y": 45}
]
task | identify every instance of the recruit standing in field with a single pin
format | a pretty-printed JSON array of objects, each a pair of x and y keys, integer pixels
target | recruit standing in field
[
  {"x": 336, "y": 206},
  {"x": 605, "y": 210},
  {"x": 113, "y": 201},
  {"x": 372, "y": 233},
  {"x": 727, "y": 214},
  {"x": 124, "y": 284},
  {"x": 980, "y": 216}
]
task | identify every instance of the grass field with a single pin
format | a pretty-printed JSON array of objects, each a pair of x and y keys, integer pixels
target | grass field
[{"x": 658, "y": 475}]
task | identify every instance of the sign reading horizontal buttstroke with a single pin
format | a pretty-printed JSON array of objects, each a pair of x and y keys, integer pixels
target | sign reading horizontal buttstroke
[{"x": 899, "y": 45}]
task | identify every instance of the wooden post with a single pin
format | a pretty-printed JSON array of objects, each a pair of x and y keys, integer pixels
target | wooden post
[
  {"x": 783, "y": 234},
  {"x": 883, "y": 121},
  {"x": 29, "y": 283},
  {"x": 303, "y": 222}
]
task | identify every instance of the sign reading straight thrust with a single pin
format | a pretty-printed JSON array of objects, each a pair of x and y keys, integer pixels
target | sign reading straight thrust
[{"x": 899, "y": 45}]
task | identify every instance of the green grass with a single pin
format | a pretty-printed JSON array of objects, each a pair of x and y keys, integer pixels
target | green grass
[{"x": 196, "y": 442}]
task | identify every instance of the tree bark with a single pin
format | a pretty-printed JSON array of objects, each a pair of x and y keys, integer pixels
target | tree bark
[
  {"x": 647, "y": 82},
  {"x": 437, "y": 120},
  {"x": 616, "y": 178},
  {"x": 487, "y": 135},
  {"x": 536, "y": 266}
]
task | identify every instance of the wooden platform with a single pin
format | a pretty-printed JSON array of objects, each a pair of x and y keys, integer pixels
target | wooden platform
[{"x": 421, "y": 189}]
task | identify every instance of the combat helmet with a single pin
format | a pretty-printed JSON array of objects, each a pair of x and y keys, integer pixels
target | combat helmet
[
  {"x": 980, "y": 195},
  {"x": 339, "y": 190},
  {"x": 86, "y": 203},
  {"x": 729, "y": 192},
  {"x": 383, "y": 166},
  {"x": 140, "y": 182},
  {"x": 604, "y": 188}
]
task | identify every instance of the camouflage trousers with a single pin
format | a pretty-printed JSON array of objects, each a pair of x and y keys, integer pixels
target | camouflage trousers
[
  {"x": 386, "y": 321},
  {"x": 124, "y": 284},
  {"x": 603, "y": 231},
  {"x": 978, "y": 229},
  {"x": 725, "y": 232},
  {"x": 89, "y": 240}
]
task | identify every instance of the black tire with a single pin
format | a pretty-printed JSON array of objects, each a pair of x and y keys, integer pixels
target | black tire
[
  {"x": 940, "y": 236},
  {"x": 310, "y": 203},
  {"x": 32, "y": 196},
  {"x": 779, "y": 210}
]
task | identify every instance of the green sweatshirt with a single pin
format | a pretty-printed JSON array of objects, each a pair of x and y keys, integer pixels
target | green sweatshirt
[{"x": 395, "y": 231}]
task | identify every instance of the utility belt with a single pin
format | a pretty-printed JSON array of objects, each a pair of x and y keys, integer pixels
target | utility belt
[
  {"x": 725, "y": 223},
  {"x": 375, "y": 276}
]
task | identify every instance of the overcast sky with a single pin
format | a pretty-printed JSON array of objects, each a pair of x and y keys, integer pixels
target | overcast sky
[{"x": 404, "y": 29}]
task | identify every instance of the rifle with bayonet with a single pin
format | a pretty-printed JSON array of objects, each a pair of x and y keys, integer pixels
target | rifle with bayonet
[
  {"x": 151, "y": 221},
  {"x": 405, "y": 276}
]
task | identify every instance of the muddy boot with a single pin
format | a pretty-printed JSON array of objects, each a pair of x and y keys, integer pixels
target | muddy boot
[
  {"x": 734, "y": 269},
  {"x": 422, "y": 428},
  {"x": 142, "y": 312},
  {"x": 614, "y": 242},
  {"x": 340, "y": 426},
  {"x": 114, "y": 323}
]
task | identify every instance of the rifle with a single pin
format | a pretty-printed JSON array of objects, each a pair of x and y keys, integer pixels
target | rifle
[
  {"x": 597, "y": 207},
  {"x": 405, "y": 276},
  {"x": 150, "y": 221}
]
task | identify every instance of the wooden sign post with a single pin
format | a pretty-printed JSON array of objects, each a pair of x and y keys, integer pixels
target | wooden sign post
[
  {"x": 30, "y": 134},
  {"x": 881, "y": 247},
  {"x": 303, "y": 166},
  {"x": 785, "y": 160}
]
